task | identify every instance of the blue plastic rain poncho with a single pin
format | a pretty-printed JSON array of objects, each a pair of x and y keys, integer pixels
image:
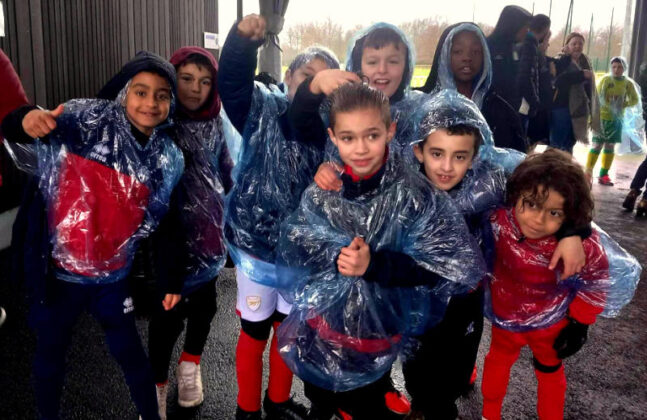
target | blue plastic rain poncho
[
  {"x": 621, "y": 112},
  {"x": 345, "y": 332},
  {"x": 104, "y": 191},
  {"x": 273, "y": 167},
  {"x": 200, "y": 198},
  {"x": 448, "y": 107},
  {"x": 272, "y": 172},
  {"x": 523, "y": 294},
  {"x": 404, "y": 101},
  {"x": 501, "y": 116},
  {"x": 197, "y": 217},
  {"x": 445, "y": 77}
]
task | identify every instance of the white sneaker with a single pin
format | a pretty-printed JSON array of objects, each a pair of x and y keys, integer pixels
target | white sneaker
[
  {"x": 3, "y": 316},
  {"x": 162, "y": 392},
  {"x": 189, "y": 384}
]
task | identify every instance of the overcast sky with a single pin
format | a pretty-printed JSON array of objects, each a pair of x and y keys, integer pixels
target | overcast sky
[{"x": 350, "y": 13}]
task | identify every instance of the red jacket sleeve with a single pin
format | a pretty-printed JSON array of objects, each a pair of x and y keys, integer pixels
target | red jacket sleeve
[
  {"x": 591, "y": 298},
  {"x": 13, "y": 95}
]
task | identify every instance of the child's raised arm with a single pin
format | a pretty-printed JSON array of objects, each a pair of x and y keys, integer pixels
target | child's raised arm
[{"x": 237, "y": 66}]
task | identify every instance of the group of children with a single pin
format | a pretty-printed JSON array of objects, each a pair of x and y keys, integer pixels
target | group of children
[{"x": 410, "y": 233}]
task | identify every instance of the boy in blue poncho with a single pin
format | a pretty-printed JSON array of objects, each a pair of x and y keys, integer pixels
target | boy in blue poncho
[
  {"x": 272, "y": 171},
  {"x": 370, "y": 264},
  {"x": 106, "y": 169},
  {"x": 455, "y": 140},
  {"x": 195, "y": 222}
]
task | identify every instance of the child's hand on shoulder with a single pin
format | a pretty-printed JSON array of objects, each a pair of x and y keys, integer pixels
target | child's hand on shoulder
[
  {"x": 170, "y": 300},
  {"x": 354, "y": 259},
  {"x": 41, "y": 122},
  {"x": 327, "y": 177},
  {"x": 571, "y": 252},
  {"x": 252, "y": 27},
  {"x": 326, "y": 81}
]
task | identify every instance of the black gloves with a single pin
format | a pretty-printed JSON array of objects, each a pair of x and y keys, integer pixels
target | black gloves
[{"x": 570, "y": 339}]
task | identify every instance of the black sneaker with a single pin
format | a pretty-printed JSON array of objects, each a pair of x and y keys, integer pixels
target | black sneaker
[
  {"x": 248, "y": 415},
  {"x": 630, "y": 200},
  {"x": 320, "y": 413},
  {"x": 288, "y": 410},
  {"x": 641, "y": 208}
]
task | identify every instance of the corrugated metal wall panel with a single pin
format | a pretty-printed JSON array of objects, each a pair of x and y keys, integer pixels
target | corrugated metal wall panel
[{"x": 64, "y": 49}]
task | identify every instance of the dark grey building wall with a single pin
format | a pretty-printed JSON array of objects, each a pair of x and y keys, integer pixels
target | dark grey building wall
[
  {"x": 638, "y": 39},
  {"x": 67, "y": 49}
]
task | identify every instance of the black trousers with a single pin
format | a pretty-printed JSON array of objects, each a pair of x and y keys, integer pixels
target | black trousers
[
  {"x": 638, "y": 183},
  {"x": 198, "y": 308},
  {"x": 365, "y": 403},
  {"x": 440, "y": 369}
]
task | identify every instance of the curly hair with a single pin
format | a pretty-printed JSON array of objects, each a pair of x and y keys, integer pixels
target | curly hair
[{"x": 555, "y": 170}]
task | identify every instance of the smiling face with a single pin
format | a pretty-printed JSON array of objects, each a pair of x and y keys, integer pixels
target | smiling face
[
  {"x": 539, "y": 220},
  {"x": 193, "y": 85},
  {"x": 294, "y": 78},
  {"x": 446, "y": 158},
  {"x": 384, "y": 66},
  {"x": 148, "y": 101},
  {"x": 617, "y": 69},
  {"x": 361, "y": 136},
  {"x": 466, "y": 56}
]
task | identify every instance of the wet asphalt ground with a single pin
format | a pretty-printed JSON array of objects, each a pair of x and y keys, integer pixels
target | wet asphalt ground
[{"x": 607, "y": 379}]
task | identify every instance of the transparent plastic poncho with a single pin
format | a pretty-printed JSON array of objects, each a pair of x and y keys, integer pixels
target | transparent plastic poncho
[
  {"x": 271, "y": 174},
  {"x": 447, "y": 108},
  {"x": 200, "y": 196},
  {"x": 344, "y": 332},
  {"x": 522, "y": 294},
  {"x": 627, "y": 117},
  {"x": 232, "y": 136},
  {"x": 482, "y": 189},
  {"x": 482, "y": 81},
  {"x": 104, "y": 191}
]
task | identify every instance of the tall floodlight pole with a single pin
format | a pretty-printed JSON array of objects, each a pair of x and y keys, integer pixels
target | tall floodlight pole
[
  {"x": 609, "y": 38},
  {"x": 550, "y": 8},
  {"x": 569, "y": 16},
  {"x": 588, "y": 46},
  {"x": 625, "y": 49}
]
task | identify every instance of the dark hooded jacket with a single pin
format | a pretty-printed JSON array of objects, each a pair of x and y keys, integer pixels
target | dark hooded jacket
[{"x": 505, "y": 59}]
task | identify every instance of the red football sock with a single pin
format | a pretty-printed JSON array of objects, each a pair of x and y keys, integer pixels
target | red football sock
[
  {"x": 249, "y": 371},
  {"x": 186, "y": 357},
  {"x": 551, "y": 392},
  {"x": 280, "y": 381}
]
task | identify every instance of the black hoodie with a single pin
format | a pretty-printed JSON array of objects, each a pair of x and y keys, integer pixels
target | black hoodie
[{"x": 505, "y": 61}]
